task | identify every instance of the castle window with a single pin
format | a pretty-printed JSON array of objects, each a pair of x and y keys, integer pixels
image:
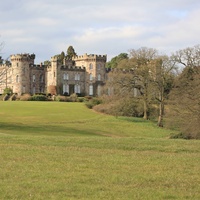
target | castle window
[
  {"x": 41, "y": 89},
  {"x": 33, "y": 78},
  {"x": 98, "y": 66},
  {"x": 65, "y": 88},
  {"x": 91, "y": 77},
  {"x": 17, "y": 79},
  {"x": 17, "y": 64},
  {"x": 77, "y": 89},
  {"x": 54, "y": 74},
  {"x": 99, "y": 77},
  {"x": 77, "y": 77},
  {"x": 41, "y": 79},
  {"x": 99, "y": 90},
  {"x": 65, "y": 76},
  {"x": 91, "y": 90},
  {"x": 91, "y": 66}
]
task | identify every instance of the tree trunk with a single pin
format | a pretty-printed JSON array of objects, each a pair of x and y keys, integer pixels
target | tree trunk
[
  {"x": 145, "y": 116},
  {"x": 161, "y": 113}
]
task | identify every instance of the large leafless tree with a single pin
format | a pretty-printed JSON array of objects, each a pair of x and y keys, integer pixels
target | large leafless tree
[
  {"x": 185, "y": 97},
  {"x": 148, "y": 76}
]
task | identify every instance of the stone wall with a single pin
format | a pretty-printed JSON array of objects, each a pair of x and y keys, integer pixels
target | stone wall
[{"x": 23, "y": 76}]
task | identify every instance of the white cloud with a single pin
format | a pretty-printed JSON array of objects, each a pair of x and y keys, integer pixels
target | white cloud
[{"x": 46, "y": 27}]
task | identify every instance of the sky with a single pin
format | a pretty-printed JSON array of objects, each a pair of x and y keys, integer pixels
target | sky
[{"x": 48, "y": 27}]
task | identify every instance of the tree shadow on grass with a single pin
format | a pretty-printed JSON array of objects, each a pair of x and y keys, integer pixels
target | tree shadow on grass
[{"x": 50, "y": 130}]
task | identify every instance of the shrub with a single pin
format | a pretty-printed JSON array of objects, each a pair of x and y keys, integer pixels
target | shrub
[
  {"x": 73, "y": 98},
  {"x": 61, "y": 98},
  {"x": 81, "y": 99},
  {"x": 87, "y": 98},
  {"x": 25, "y": 97},
  {"x": 7, "y": 91},
  {"x": 6, "y": 97},
  {"x": 181, "y": 136},
  {"x": 121, "y": 107},
  {"x": 93, "y": 102},
  {"x": 38, "y": 98},
  {"x": 104, "y": 108}
]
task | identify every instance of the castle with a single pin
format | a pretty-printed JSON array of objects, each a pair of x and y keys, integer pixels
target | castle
[{"x": 84, "y": 75}]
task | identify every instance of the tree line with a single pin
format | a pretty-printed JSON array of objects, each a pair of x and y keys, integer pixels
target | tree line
[{"x": 145, "y": 83}]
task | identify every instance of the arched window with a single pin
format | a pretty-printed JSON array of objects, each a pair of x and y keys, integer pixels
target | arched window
[
  {"x": 41, "y": 79},
  {"x": 33, "y": 78},
  {"x": 77, "y": 77},
  {"x": 91, "y": 90},
  {"x": 99, "y": 77},
  {"x": 65, "y": 76},
  {"x": 98, "y": 66},
  {"x": 41, "y": 89},
  {"x": 17, "y": 79},
  {"x": 91, "y": 77},
  {"x": 65, "y": 88},
  {"x": 91, "y": 66},
  {"x": 77, "y": 88},
  {"x": 98, "y": 90}
]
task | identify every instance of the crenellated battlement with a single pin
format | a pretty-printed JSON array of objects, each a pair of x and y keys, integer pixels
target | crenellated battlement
[
  {"x": 39, "y": 66},
  {"x": 90, "y": 56},
  {"x": 54, "y": 58},
  {"x": 73, "y": 68},
  {"x": 117, "y": 70},
  {"x": 3, "y": 66},
  {"x": 22, "y": 57}
]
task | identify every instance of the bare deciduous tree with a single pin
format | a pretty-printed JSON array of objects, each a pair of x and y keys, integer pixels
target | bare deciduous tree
[
  {"x": 185, "y": 96},
  {"x": 143, "y": 61},
  {"x": 165, "y": 74}
]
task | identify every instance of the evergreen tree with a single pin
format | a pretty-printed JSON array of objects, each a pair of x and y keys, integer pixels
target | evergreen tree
[{"x": 70, "y": 53}]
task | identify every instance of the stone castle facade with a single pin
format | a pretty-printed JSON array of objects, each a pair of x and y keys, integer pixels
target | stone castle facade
[{"x": 84, "y": 75}]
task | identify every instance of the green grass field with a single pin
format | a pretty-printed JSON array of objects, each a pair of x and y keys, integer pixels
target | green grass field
[{"x": 52, "y": 150}]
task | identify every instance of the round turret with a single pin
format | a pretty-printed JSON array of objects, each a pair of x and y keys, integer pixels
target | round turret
[{"x": 21, "y": 72}]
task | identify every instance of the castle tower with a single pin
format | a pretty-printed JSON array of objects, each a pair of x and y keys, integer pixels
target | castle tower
[
  {"x": 20, "y": 67},
  {"x": 95, "y": 72},
  {"x": 52, "y": 75}
]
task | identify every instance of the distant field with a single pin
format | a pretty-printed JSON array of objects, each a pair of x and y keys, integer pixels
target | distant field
[{"x": 53, "y": 150}]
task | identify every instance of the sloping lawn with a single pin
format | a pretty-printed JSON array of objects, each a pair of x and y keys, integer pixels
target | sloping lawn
[{"x": 52, "y": 150}]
